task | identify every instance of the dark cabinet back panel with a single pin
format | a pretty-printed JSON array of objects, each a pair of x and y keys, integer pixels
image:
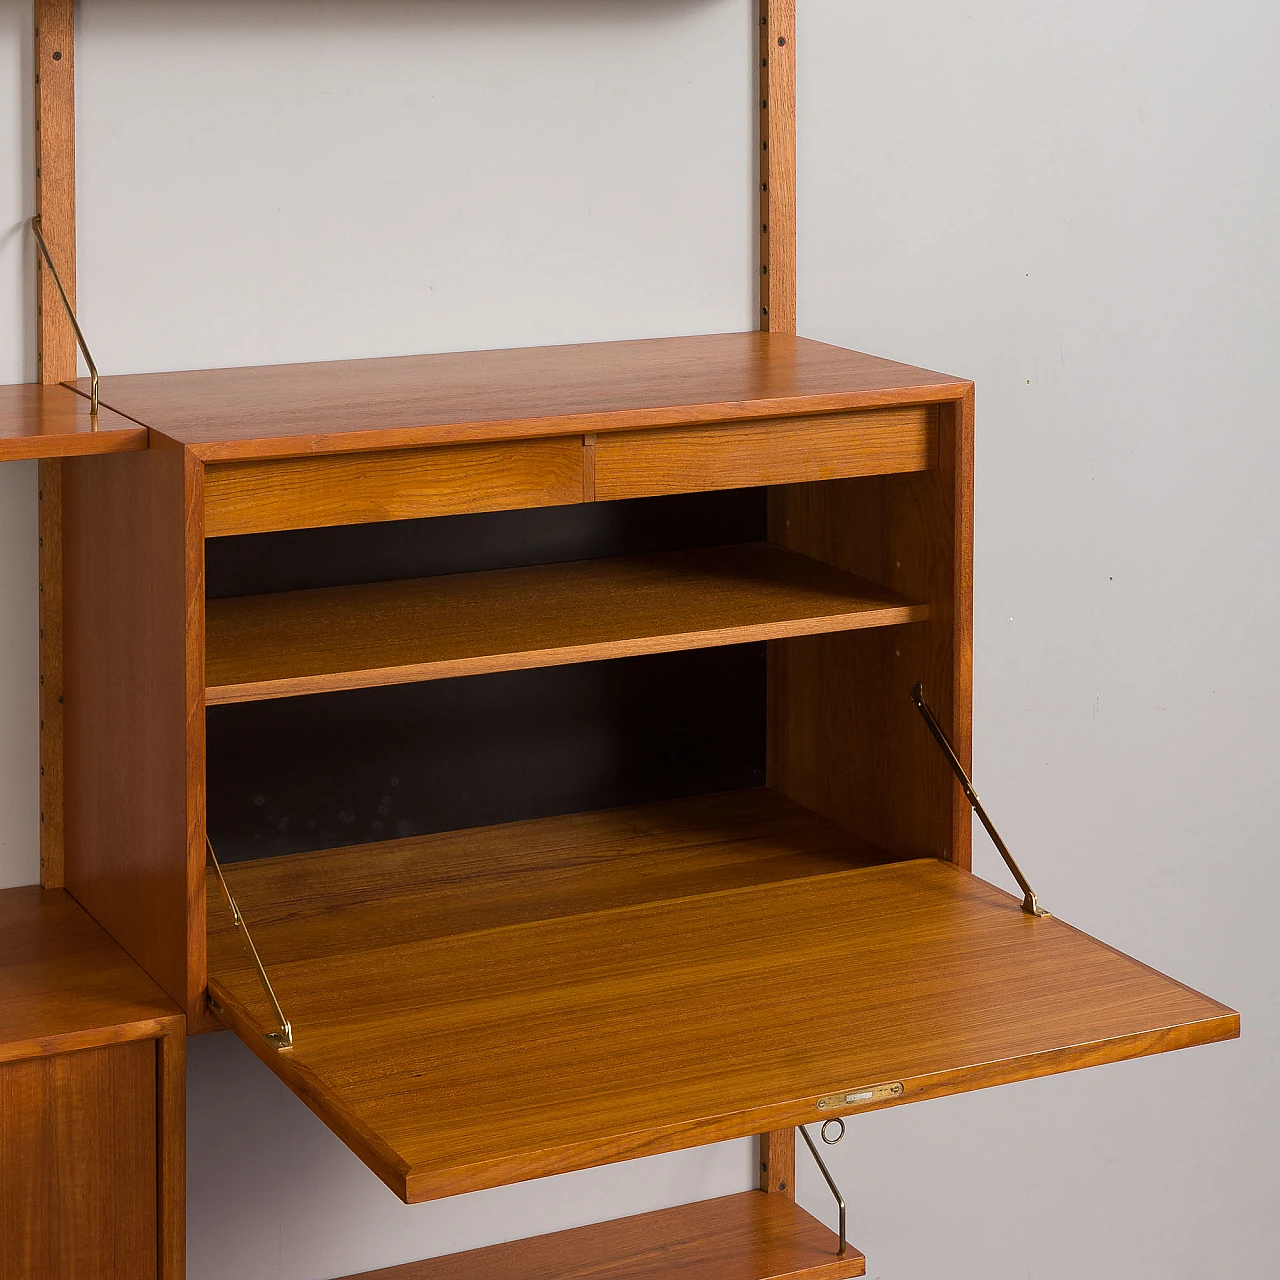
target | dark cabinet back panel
[{"x": 365, "y": 765}]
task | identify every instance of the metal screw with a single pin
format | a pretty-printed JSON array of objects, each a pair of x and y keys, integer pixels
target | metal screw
[
  {"x": 57, "y": 57},
  {"x": 782, "y": 39}
]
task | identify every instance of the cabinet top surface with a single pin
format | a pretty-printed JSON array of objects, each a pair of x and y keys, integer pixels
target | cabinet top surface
[
  {"x": 409, "y": 401},
  {"x": 65, "y": 985}
]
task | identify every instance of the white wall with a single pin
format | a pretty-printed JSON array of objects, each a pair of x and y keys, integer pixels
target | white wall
[{"x": 1072, "y": 204}]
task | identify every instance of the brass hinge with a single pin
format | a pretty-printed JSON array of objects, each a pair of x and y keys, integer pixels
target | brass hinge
[
  {"x": 282, "y": 1039},
  {"x": 75, "y": 324},
  {"x": 1029, "y": 903}
]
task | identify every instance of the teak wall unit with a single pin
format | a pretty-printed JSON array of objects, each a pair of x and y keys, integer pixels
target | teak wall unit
[{"x": 548, "y": 711}]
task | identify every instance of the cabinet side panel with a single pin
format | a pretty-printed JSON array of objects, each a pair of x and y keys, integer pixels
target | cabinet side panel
[
  {"x": 844, "y": 737},
  {"x": 133, "y": 656},
  {"x": 78, "y": 1166}
]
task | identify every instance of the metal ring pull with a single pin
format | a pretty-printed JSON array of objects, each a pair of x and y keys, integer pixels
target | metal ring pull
[{"x": 835, "y": 1120}]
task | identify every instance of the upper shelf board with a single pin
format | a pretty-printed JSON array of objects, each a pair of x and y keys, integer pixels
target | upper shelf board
[
  {"x": 54, "y": 422},
  {"x": 480, "y": 1007},
  {"x": 300, "y": 642},
  {"x": 343, "y": 406}
]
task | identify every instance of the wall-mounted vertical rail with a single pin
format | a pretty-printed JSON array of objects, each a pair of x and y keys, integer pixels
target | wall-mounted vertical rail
[
  {"x": 778, "y": 166},
  {"x": 55, "y": 157},
  {"x": 777, "y": 181},
  {"x": 778, "y": 1163}
]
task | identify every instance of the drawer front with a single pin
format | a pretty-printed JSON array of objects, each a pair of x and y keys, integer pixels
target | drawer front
[
  {"x": 639, "y": 464},
  {"x": 78, "y": 1175},
  {"x": 397, "y": 484}
]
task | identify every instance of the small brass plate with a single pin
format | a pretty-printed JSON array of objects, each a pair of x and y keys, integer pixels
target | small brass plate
[{"x": 860, "y": 1097}]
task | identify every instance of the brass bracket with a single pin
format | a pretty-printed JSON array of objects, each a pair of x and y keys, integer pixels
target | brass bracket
[
  {"x": 826, "y": 1173},
  {"x": 1029, "y": 903},
  {"x": 75, "y": 324},
  {"x": 282, "y": 1039}
]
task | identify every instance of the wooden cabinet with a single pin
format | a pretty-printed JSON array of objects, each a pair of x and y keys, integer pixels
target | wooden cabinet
[
  {"x": 546, "y": 716},
  {"x": 568, "y": 776},
  {"x": 91, "y": 1100}
]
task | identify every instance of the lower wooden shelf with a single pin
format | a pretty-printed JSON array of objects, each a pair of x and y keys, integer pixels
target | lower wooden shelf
[{"x": 752, "y": 1236}]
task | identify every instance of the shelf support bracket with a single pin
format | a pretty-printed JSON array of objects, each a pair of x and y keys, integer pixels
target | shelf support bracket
[
  {"x": 75, "y": 324},
  {"x": 826, "y": 1173},
  {"x": 282, "y": 1039},
  {"x": 1029, "y": 903}
]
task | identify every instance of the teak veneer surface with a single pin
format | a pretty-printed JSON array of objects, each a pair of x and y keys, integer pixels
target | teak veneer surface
[
  {"x": 751, "y": 1236},
  {"x": 511, "y": 619},
  {"x": 54, "y": 422},
  {"x": 65, "y": 985},
  {"x": 461, "y": 1049},
  {"x": 78, "y": 1177},
  {"x": 467, "y": 882},
  {"x": 403, "y": 401}
]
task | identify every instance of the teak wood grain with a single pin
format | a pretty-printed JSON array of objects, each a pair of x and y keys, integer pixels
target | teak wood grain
[
  {"x": 397, "y": 484},
  {"x": 65, "y": 985},
  {"x": 642, "y": 464},
  {"x": 658, "y": 1024},
  {"x": 865, "y": 759},
  {"x": 467, "y": 882},
  {"x": 54, "y": 422},
  {"x": 134, "y": 707},
  {"x": 512, "y": 619},
  {"x": 778, "y": 1162},
  {"x": 744, "y": 1237},
  {"x": 78, "y": 1176},
  {"x": 55, "y": 174},
  {"x": 410, "y": 401},
  {"x": 778, "y": 166},
  {"x": 92, "y": 1100}
]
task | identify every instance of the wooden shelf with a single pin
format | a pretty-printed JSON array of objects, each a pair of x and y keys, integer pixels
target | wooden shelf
[
  {"x": 482, "y": 1007},
  {"x": 54, "y": 422},
  {"x": 66, "y": 986},
  {"x": 406, "y": 401},
  {"x": 302, "y": 642},
  {"x": 752, "y": 1236}
]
